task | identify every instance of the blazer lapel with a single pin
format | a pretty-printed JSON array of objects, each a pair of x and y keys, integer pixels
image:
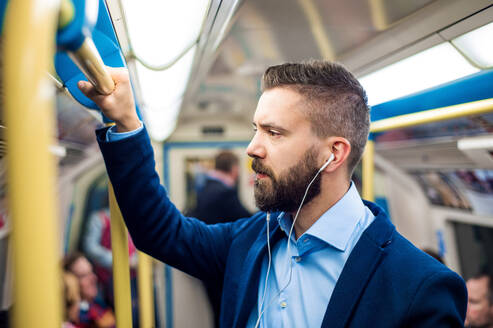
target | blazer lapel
[
  {"x": 358, "y": 270},
  {"x": 248, "y": 287}
]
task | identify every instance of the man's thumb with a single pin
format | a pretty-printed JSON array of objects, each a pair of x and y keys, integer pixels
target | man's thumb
[{"x": 85, "y": 87}]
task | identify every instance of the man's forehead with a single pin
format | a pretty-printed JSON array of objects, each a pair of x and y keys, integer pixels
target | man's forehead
[
  {"x": 478, "y": 286},
  {"x": 81, "y": 264},
  {"x": 280, "y": 106}
]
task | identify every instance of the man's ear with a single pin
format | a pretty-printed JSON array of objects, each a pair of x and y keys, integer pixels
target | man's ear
[{"x": 341, "y": 148}]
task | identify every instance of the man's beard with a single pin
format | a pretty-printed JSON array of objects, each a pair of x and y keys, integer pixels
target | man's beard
[{"x": 286, "y": 192}]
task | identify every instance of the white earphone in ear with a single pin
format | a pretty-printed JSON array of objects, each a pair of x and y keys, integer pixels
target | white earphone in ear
[{"x": 331, "y": 158}]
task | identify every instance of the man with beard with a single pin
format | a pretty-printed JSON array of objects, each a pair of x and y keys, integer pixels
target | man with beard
[{"x": 316, "y": 254}]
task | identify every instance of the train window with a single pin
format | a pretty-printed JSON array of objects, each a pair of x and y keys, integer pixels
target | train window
[
  {"x": 440, "y": 64},
  {"x": 441, "y": 191},
  {"x": 162, "y": 108},
  {"x": 160, "y": 30},
  {"x": 163, "y": 37},
  {"x": 476, "y": 45},
  {"x": 196, "y": 170},
  {"x": 475, "y": 248},
  {"x": 470, "y": 190}
]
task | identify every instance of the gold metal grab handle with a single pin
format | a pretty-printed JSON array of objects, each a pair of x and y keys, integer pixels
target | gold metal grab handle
[
  {"x": 90, "y": 63},
  {"x": 87, "y": 57}
]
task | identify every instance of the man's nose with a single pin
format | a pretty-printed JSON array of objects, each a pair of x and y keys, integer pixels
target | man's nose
[{"x": 255, "y": 149}]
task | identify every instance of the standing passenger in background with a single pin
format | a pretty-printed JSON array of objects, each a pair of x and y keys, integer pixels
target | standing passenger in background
[
  {"x": 480, "y": 301},
  {"x": 217, "y": 199},
  {"x": 316, "y": 255},
  {"x": 217, "y": 202}
]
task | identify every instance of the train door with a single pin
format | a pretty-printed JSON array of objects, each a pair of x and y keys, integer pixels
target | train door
[{"x": 185, "y": 163}]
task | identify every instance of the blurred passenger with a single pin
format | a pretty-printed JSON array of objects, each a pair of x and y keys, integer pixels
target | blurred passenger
[
  {"x": 6, "y": 274},
  {"x": 217, "y": 198},
  {"x": 97, "y": 245},
  {"x": 93, "y": 312},
  {"x": 316, "y": 255},
  {"x": 71, "y": 295},
  {"x": 217, "y": 201},
  {"x": 480, "y": 301}
]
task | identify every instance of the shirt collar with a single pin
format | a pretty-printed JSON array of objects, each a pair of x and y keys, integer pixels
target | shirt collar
[{"x": 337, "y": 224}]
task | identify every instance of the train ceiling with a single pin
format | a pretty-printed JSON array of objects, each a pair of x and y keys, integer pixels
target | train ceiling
[
  {"x": 365, "y": 35},
  {"x": 219, "y": 49}
]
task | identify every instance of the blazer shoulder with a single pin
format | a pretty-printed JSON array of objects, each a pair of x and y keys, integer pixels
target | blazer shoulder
[
  {"x": 440, "y": 301},
  {"x": 411, "y": 258},
  {"x": 431, "y": 294}
]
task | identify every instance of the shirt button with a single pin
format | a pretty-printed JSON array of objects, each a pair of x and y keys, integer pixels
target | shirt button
[
  {"x": 297, "y": 258},
  {"x": 284, "y": 304}
]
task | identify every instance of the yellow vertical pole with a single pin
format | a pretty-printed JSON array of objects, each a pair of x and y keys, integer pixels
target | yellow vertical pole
[
  {"x": 146, "y": 296},
  {"x": 369, "y": 170},
  {"x": 29, "y": 47},
  {"x": 121, "y": 268}
]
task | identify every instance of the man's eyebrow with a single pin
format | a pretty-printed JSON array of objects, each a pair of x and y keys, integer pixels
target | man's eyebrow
[{"x": 267, "y": 126}]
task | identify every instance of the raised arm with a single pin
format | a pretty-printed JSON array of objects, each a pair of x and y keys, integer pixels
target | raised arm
[{"x": 154, "y": 223}]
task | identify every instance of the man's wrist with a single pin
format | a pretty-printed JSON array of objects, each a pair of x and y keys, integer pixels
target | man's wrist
[{"x": 128, "y": 125}]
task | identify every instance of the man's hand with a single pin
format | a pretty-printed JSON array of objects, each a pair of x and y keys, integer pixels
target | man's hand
[{"x": 119, "y": 106}]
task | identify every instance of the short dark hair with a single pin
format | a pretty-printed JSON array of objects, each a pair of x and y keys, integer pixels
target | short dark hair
[
  {"x": 225, "y": 160},
  {"x": 70, "y": 259},
  {"x": 337, "y": 104},
  {"x": 488, "y": 275}
]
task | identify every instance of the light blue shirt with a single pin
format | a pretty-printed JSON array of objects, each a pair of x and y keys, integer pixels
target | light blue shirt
[
  {"x": 112, "y": 135},
  {"x": 317, "y": 259}
]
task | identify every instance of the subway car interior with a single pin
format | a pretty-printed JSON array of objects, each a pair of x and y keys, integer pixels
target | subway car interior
[{"x": 195, "y": 68}]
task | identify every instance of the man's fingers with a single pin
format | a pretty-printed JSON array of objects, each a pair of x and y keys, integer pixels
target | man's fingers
[
  {"x": 91, "y": 92},
  {"x": 86, "y": 88},
  {"x": 118, "y": 74}
]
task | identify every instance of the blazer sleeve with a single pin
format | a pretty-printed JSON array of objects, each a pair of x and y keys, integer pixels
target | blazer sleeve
[
  {"x": 155, "y": 224},
  {"x": 440, "y": 301}
]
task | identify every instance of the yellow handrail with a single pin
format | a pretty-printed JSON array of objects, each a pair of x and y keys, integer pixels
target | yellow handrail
[
  {"x": 146, "y": 296},
  {"x": 29, "y": 48},
  {"x": 433, "y": 115},
  {"x": 121, "y": 267},
  {"x": 368, "y": 168}
]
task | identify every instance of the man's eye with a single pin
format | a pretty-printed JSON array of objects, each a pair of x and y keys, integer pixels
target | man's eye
[{"x": 274, "y": 133}]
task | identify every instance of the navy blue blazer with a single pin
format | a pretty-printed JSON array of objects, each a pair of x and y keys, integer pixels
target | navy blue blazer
[{"x": 386, "y": 281}]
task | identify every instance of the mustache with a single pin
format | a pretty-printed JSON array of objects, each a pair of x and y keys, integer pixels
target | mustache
[{"x": 258, "y": 167}]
